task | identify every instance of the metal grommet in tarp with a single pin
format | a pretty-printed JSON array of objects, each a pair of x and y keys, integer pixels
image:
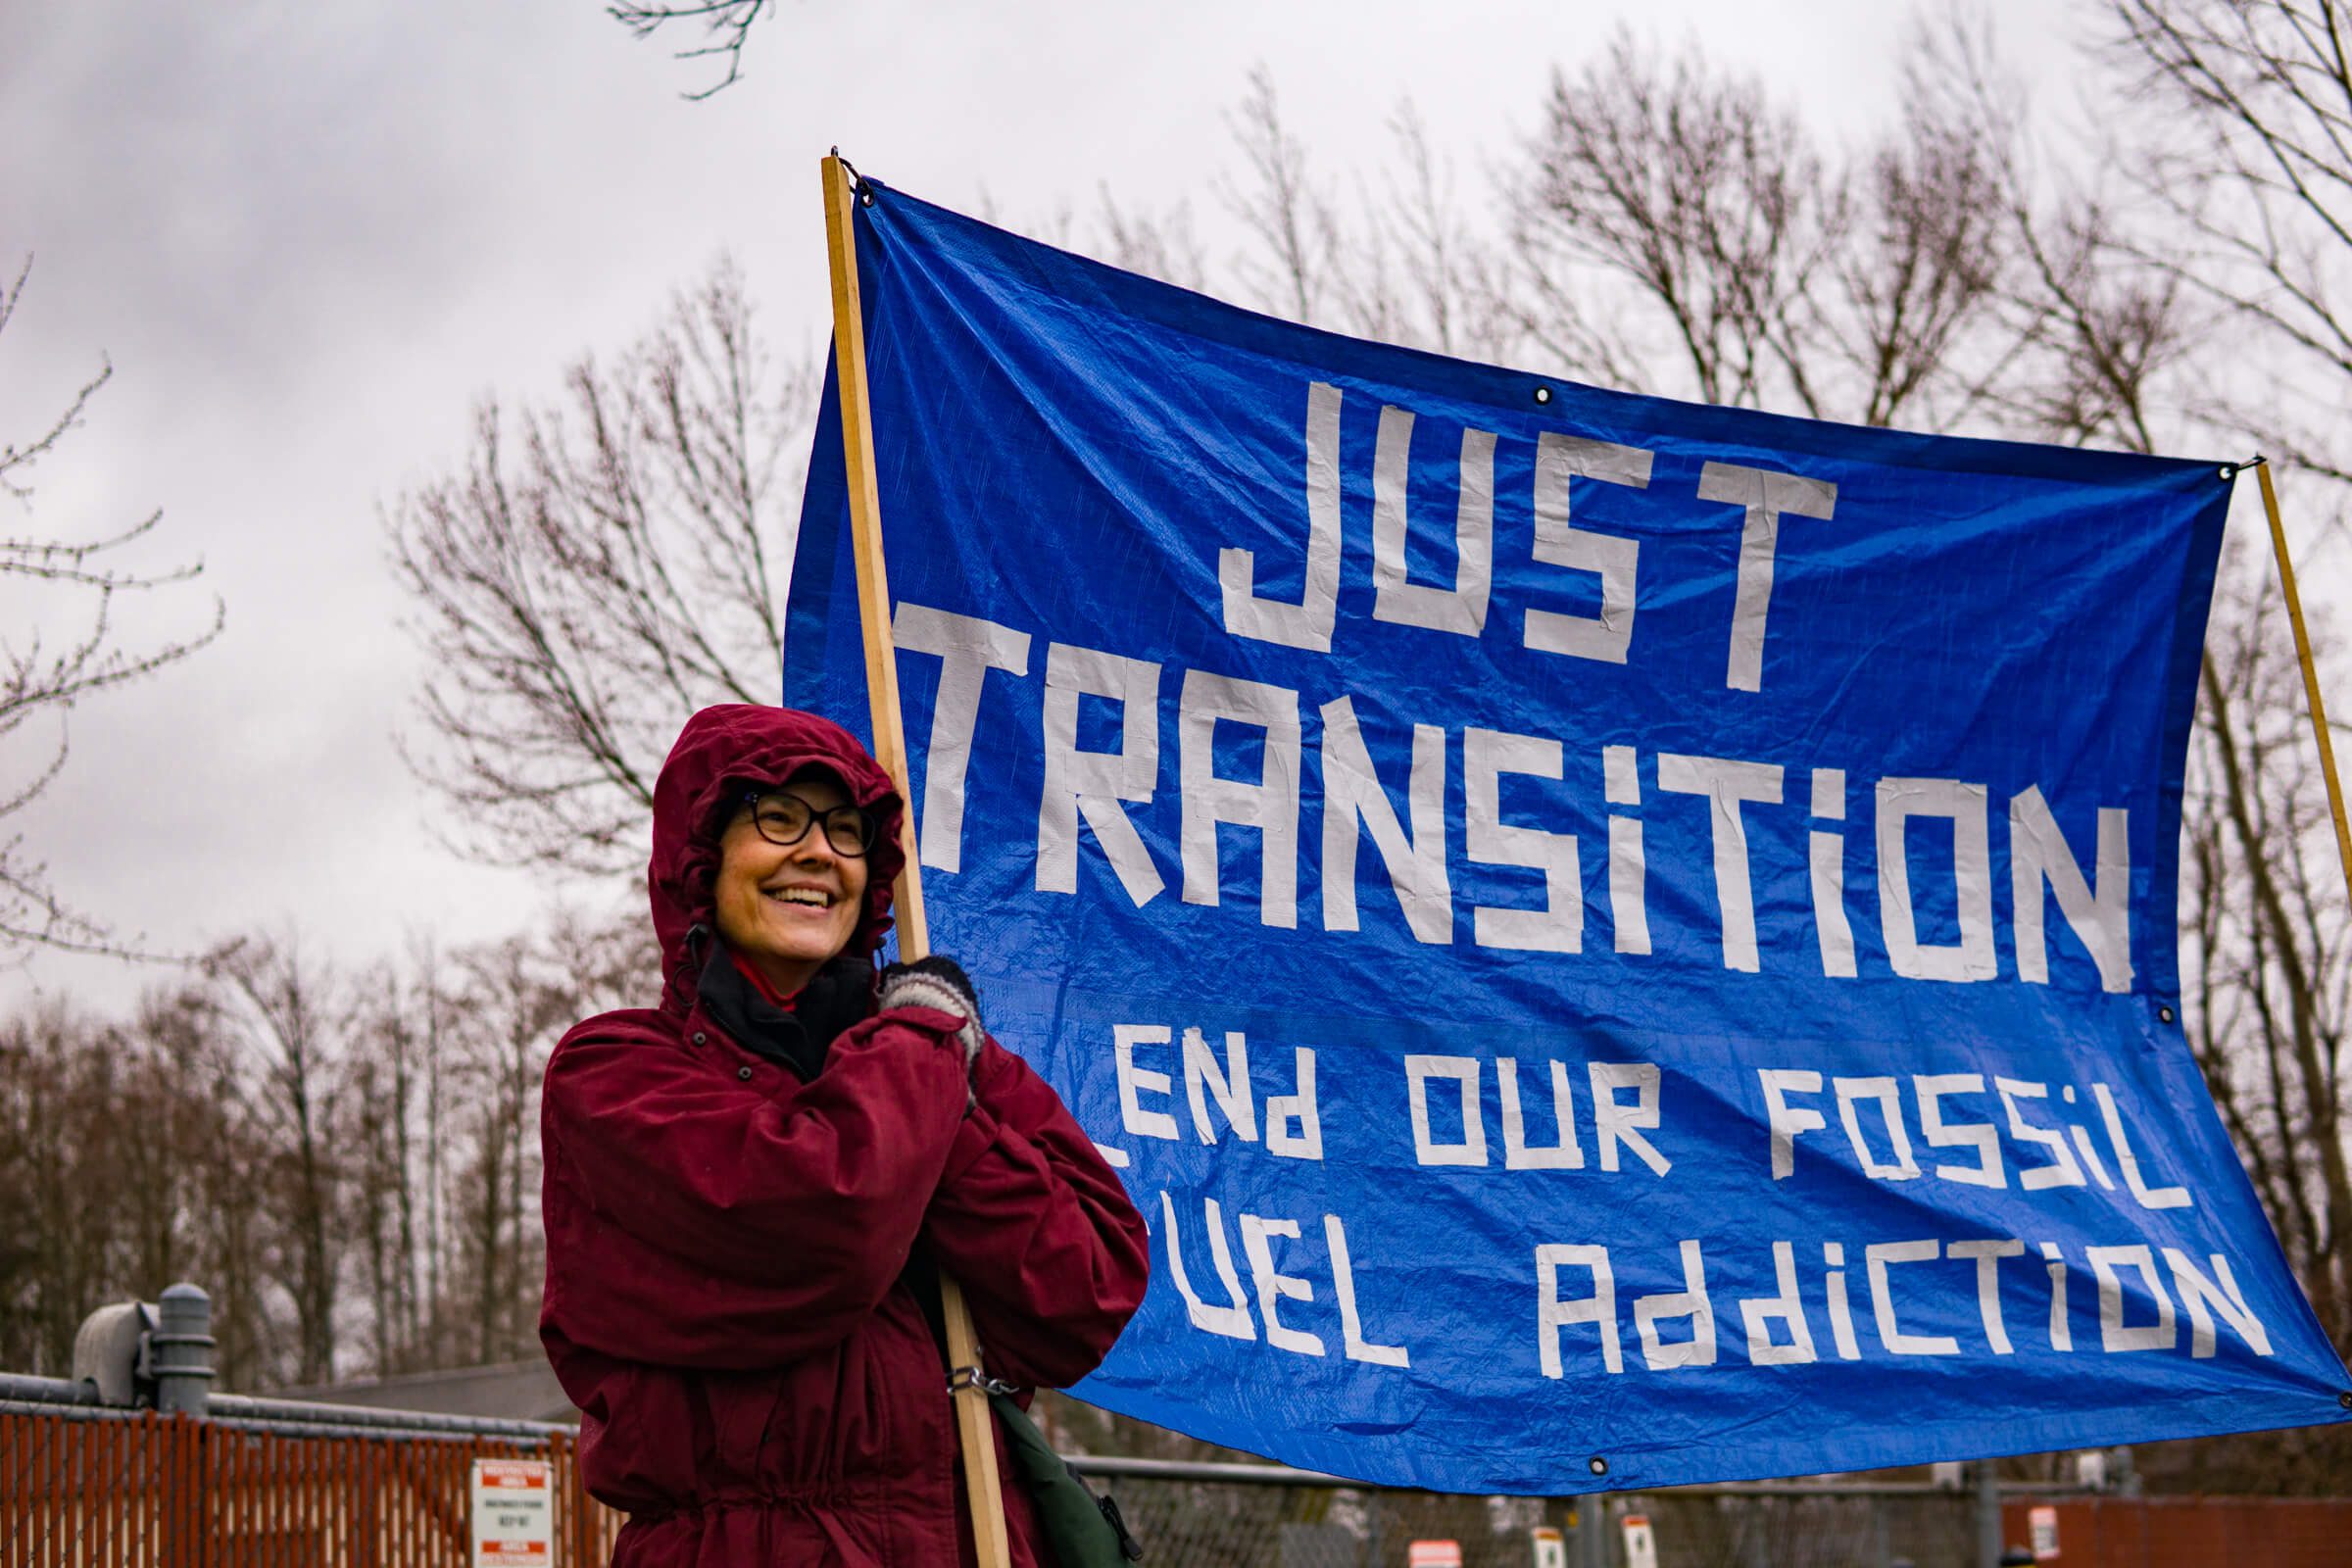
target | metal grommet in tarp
[
  {"x": 2345, "y": 1399},
  {"x": 1543, "y": 394},
  {"x": 1598, "y": 1465},
  {"x": 2164, "y": 1014}
]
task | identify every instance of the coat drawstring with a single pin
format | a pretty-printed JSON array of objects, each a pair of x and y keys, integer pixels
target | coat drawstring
[{"x": 689, "y": 968}]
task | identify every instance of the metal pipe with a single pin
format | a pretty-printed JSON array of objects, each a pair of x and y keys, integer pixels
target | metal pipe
[
  {"x": 324, "y": 1429},
  {"x": 181, "y": 1345},
  {"x": 1593, "y": 1540},
  {"x": 1269, "y": 1475},
  {"x": 90, "y": 1410},
  {"x": 318, "y": 1412},
  {"x": 16, "y": 1389},
  {"x": 1988, "y": 1513}
]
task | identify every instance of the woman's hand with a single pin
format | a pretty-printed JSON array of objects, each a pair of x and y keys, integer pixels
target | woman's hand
[{"x": 939, "y": 983}]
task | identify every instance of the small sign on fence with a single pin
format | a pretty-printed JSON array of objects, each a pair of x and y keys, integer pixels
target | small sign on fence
[
  {"x": 513, "y": 1513},
  {"x": 1434, "y": 1554},
  {"x": 2041, "y": 1522},
  {"x": 1641, "y": 1543},
  {"x": 1551, "y": 1548}
]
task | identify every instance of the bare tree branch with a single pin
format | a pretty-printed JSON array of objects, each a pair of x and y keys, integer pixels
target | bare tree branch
[
  {"x": 603, "y": 564},
  {"x": 726, "y": 25},
  {"x": 42, "y": 679}
]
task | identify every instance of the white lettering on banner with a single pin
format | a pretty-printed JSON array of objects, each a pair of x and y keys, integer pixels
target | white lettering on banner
[
  {"x": 967, "y": 648},
  {"x": 2061, "y": 1171},
  {"x": 1294, "y": 1122},
  {"x": 2039, "y": 860},
  {"x": 2062, "y": 1337},
  {"x": 1988, "y": 1254},
  {"x": 1964, "y": 805},
  {"x": 1102, "y": 789},
  {"x": 1565, "y": 1154},
  {"x": 1726, "y": 785},
  {"x": 2128, "y": 1159},
  {"x": 1778, "y": 1330},
  {"x": 1690, "y": 1302},
  {"x": 1560, "y": 458},
  {"x": 2073, "y": 1163},
  {"x": 1227, "y": 1084},
  {"x": 1135, "y": 1082},
  {"x": 2202, "y": 1297},
  {"x": 2114, "y": 1333},
  {"x": 1094, "y": 784},
  {"x": 1629, "y": 872},
  {"x": 1354, "y": 802},
  {"x": 1759, "y": 1313},
  {"x": 1270, "y": 805},
  {"x": 1553, "y": 1313},
  {"x": 1841, "y": 1318},
  {"x": 1782, "y": 1121},
  {"x": 1464, "y": 1072},
  {"x": 1980, "y": 1136},
  {"x": 1351, "y": 1322},
  {"x": 2091, "y": 1156},
  {"x": 1880, "y": 1092},
  {"x": 1307, "y": 624},
  {"x": 1463, "y": 608},
  {"x": 1560, "y": 925},
  {"x": 1825, "y": 861},
  {"x": 1273, "y": 1287},
  {"x": 1766, "y": 494},
  {"x": 1615, "y": 1123},
  {"x": 1881, "y": 1257},
  {"x": 1232, "y": 1321}
]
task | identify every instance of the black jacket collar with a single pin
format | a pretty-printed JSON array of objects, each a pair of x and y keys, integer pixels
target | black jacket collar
[{"x": 839, "y": 995}]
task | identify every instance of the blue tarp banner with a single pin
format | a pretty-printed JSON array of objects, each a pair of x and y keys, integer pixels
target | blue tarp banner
[{"x": 1616, "y": 943}]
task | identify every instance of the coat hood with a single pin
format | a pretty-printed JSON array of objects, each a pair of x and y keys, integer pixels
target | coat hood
[{"x": 721, "y": 751}]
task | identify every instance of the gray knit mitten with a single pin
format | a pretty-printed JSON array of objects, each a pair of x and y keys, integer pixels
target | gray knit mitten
[{"x": 938, "y": 983}]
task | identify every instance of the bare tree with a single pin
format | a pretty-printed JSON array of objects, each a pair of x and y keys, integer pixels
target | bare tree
[
  {"x": 42, "y": 679},
  {"x": 519, "y": 998},
  {"x": 726, "y": 25},
  {"x": 2270, "y": 943},
  {"x": 1676, "y": 229},
  {"x": 286, "y": 1010},
  {"x": 603, "y": 565},
  {"x": 385, "y": 1083},
  {"x": 2245, "y": 152},
  {"x": 1294, "y": 223}
]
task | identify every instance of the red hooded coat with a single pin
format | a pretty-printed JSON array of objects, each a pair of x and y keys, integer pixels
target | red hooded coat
[{"x": 736, "y": 1258}]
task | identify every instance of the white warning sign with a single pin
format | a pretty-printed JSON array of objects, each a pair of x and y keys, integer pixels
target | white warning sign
[{"x": 513, "y": 1513}]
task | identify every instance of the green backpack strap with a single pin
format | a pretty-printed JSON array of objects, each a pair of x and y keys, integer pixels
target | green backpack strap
[{"x": 1082, "y": 1530}]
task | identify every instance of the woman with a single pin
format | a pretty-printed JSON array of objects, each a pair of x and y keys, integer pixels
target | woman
[{"x": 749, "y": 1189}]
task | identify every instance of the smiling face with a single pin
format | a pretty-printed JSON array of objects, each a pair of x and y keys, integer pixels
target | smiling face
[{"x": 788, "y": 908}]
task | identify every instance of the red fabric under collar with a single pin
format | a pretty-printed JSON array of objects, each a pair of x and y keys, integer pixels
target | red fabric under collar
[{"x": 760, "y": 983}]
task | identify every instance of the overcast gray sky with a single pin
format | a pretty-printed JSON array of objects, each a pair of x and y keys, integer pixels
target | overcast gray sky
[{"x": 311, "y": 236}]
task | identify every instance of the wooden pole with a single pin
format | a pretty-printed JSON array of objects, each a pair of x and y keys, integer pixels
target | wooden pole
[
  {"x": 2311, "y": 676},
  {"x": 975, "y": 1423}
]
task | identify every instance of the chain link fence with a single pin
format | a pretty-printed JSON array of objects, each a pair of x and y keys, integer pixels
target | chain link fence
[{"x": 1213, "y": 1522}]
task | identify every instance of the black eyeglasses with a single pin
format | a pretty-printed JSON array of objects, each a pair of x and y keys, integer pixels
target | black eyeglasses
[{"x": 783, "y": 818}]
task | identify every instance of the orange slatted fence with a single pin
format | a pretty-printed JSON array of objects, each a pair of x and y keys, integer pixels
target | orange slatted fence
[
  {"x": 149, "y": 1490},
  {"x": 2193, "y": 1532}
]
